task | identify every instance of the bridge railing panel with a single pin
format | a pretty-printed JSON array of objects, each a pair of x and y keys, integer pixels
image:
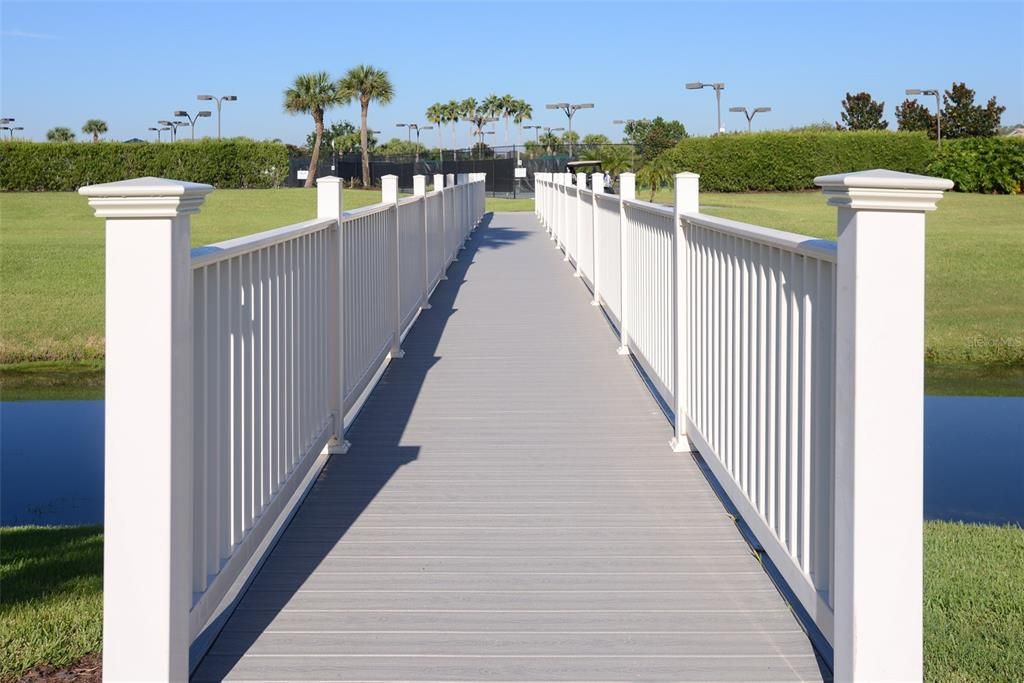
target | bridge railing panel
[
  {"x": 232, "y": 371},
  {"x": 793, "y": 366}
]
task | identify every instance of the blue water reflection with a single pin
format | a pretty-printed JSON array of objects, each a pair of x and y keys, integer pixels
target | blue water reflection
[{"x": 51, "y": 460}]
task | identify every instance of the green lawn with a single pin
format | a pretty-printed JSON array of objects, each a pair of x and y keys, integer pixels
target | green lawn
[
  {"x": 51, "y": 605},
  {"x": 51, "y": 271},
  {"x": 51, "y": 602}
]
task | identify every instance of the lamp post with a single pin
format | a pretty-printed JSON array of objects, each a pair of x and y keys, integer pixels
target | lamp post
[
  {"x": 174, "y": 127},
  {"x": 718, "y": 87},
  {"x": 548, "y": 130},
  {"x": 536, "y": 132},
  {"x": 938, "y": 109},
  {"x": 192, "y": 120},
  {"x": 750, "y": 115},
  {"x": 157, "y": 130},
  {"x": 11, "y": 129},
  {"x": 225, "y": 98},
  {"x": 569, "y": 110}
]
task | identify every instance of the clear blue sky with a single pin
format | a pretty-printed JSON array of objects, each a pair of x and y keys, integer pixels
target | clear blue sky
[{"x": 132, "y": 64}]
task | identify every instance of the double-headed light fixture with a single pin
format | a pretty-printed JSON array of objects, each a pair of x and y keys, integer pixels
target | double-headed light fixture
[
  {"x": 5, "y": 124},
  {"x": 750, "y": 114},
  {"x": 569, "y": 110},
  {"x": 219, "y": 100},
  {"x": 192, "y": 119}
]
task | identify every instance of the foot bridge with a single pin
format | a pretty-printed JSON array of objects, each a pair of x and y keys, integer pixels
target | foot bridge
[{"x": 607, "y": 441}]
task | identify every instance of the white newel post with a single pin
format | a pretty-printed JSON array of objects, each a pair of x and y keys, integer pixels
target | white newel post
[
  {"x": 687, "y": 200},
  {"x": 438, "y": 181},
  {"x": 329, "y": 204},
  {"x": 597, "y": 185},
  {"x": 581, "y": 184},
  {"x": 389, "y": 195},
  {"x": 879, "y": 421},
  {"x": 627, "y": 190},
  {"x": 419, "y": 189},
  {"x": 147, "y": 551}
]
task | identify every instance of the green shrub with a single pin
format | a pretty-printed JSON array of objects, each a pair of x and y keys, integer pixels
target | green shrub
[
  {"x": 785, "y": 161},
  {"x": 51, "y": 166},
  {"x": 990, "y": 165}
]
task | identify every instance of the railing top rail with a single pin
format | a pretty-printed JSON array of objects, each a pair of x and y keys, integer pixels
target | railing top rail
[
  {"x": 650, "y": 206},
  {"x": 408, "y": 200},
  {"x": 610, "y": 198},
  {"x": 824, "y": 250},
  {"x": 433, "y": 193},
  {"x": 365, "y": 211},
  {"x": 221, "y": 251},
  {"x": 584, "y": 191}
]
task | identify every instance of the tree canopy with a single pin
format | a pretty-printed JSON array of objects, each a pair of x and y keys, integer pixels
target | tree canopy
[
  {"x": 961, "y": 118},
  {"x": 654, "y": 136},
  {"x": 862, "y": 112}
]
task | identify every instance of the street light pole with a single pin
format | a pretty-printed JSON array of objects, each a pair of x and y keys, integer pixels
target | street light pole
[
  {"x": 192, "y": 120},
  {"x": 225, "y": 98},
  {"x": 718, "y": 87},
  {"x": 750, "y": 115},
  {"x": 569, "y": 110},
  {"x": 938, "y": 109}
]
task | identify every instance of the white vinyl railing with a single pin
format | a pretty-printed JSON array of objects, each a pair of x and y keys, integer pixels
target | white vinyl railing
[
  {"x": 794, "y": 367},
  {"x": 232, "y": 371}
]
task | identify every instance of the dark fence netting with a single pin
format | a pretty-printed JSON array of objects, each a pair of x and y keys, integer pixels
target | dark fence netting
[{"x": 499, "y": 163}]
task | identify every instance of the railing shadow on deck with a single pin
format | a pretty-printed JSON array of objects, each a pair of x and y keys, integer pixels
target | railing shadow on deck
[{"x": 349, "y": 483}]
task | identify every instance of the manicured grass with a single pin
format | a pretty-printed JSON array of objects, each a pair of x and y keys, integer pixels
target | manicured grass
[
  {"x": 974, "y": 603},
  {"x": 504, "y": 204},
  {"x": 51, "y": 604},
  {"x": 51, "y": 596}
]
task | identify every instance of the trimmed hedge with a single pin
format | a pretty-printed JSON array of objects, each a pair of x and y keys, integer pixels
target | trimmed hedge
[
  {"x": 991, "y": 165},
  {"x": 52, "y": 166},
  {"x": 745, "y": 162}
]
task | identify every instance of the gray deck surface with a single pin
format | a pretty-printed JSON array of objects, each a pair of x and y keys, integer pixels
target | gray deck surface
[{"x": 510, "y": 510}]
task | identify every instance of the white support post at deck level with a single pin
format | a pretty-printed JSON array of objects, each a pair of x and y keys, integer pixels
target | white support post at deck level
[
  {"x": 329, "y": 204},
  {"x": 581, "y": 184},
  {"x": 419, "y": 189},
  {"x": 147, "y": 550},
  {"x": 687, "y": 200},
  {"x": 879, "y": 421},
  {"x": 627, "y": 190},
  {"x": 597, "y": 185},
  {"x": 389, "y": 195}
]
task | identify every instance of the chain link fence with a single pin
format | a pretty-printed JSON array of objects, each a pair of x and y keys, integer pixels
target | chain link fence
[{"x": 509, "y": 169}]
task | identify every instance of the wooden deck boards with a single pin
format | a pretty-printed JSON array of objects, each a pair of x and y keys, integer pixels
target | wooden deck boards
[{"x": 510, "y": 510}]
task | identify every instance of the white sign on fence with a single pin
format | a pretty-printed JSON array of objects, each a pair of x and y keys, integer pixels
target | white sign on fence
[
  {"x": 301, "y": 175},
  {"x": 520, "y": 172}
]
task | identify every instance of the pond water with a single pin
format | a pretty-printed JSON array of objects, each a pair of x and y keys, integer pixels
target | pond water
[{"x": 51, "y": 460}]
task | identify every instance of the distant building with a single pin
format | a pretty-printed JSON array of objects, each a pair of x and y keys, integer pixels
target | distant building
[{"x": 1016, "y": 132}]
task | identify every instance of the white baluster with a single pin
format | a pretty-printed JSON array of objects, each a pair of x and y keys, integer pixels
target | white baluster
[
  {"x": 686, "y": 201},
  {"x": 627, "y": 190},
  {"x": 329, "y": 204},
  {"x": 389, "y": 195}
]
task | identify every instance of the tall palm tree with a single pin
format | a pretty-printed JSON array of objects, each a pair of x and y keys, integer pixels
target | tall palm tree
[
  {"x": 522, "y": 112},
  {"x": 312, "y": 93},
  {"x": 452, "y": 111},
  {"x": 437, "y": 115},
  {"x": 492, "y": 108},
  {"x": 367, "y": 84},
  {"x": 467, "y": 112},
  {"x": 95, "y": 127},
  {"x": 507, "y": 111}
]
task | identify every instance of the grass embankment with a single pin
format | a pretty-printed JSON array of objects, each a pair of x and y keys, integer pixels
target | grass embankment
[
  {"x": 51, "y": 596},
  {"x": 51, "y": 605},
  {"x": 51, "y": 274}
]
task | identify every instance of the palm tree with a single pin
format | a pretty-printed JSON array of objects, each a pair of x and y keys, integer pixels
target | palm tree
[
  {"x": 655, "y": 173},
  {"x": 437, "y": 115},
  {"x": 312, "y": 93},
  {"x": 367, "y": 84},
  {"x": 522, "y": 112},
  {"x": 507, "y": 111},
  {"x": 95, "y": 127},
  {"x": 452, "y": 111},
  {"x": 60, "y": 134},
  {"x": 467, "y": 112},
  {"x": 492, "y": 108}
]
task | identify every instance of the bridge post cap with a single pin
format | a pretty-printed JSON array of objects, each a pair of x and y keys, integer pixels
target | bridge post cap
[
  {"x": 328, "y": 179},
  {"x": 687, "y": 174},
  {"x": 146, "y": 198},
  {"x": 883, "y": 190}
]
